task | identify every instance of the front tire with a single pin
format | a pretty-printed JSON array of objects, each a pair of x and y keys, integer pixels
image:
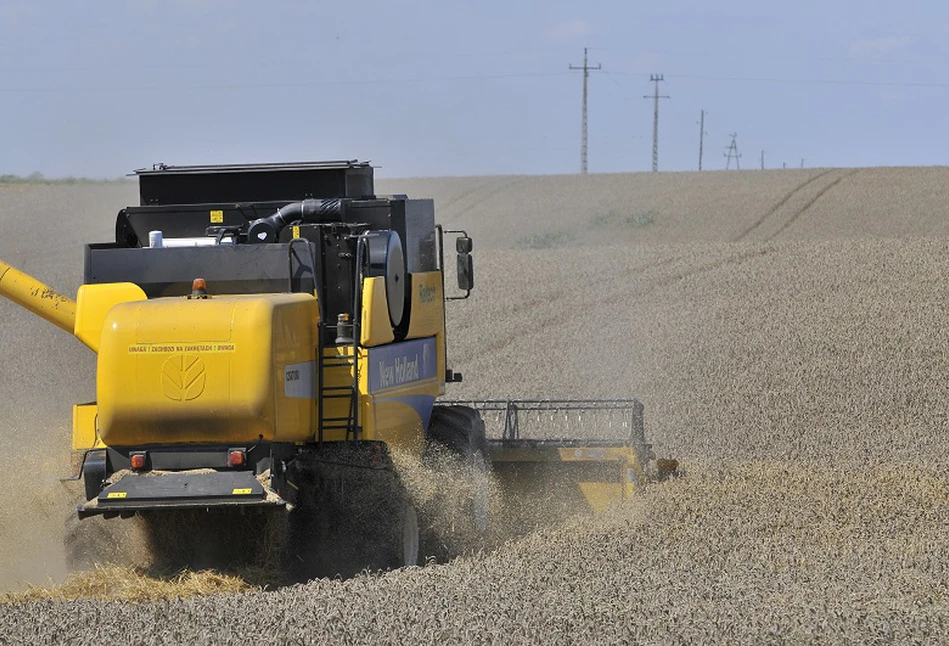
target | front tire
[
  {"x": 457, "y": 447},
  {"x": 408, "y": 543}
]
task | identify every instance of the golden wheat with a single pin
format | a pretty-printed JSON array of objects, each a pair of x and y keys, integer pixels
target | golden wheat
[{"x": 785, "y": 332}]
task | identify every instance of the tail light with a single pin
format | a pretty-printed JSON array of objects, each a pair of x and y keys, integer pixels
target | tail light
[
  {"x": 138, "y": 461},
  {"x": 375, "y": 456},
  {"x": 236, "y": 457}
]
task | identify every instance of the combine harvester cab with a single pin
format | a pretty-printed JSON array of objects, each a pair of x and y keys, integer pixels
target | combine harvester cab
[{"x": 270, "y": 336}]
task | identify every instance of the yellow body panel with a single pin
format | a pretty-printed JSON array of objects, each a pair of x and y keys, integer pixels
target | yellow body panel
[
  {"x": 399, "y": 384},
  {"x": 393, "y": 419},
  {"x": 223, "y": 369},
  {"x": 375, "y": 327},
  {"x": 84, "y": 433},
  {"x": 93, "y": 303},
  {"x": 428, "y": 315},
  {"x": 599, "y": 476},
  {"x": 428, "y": 305}
]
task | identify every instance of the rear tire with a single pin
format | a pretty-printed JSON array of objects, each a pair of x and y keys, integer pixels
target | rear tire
[
  {"x": 225, "y": 540},
  {"x": 345, "y": 523},
  {"x": 97, "y": 541}
]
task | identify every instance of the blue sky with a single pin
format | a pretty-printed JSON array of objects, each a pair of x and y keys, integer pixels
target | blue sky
[{"x": 452, "y": 88}]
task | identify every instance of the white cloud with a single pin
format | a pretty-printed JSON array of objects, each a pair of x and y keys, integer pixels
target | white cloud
[
  {"x": 878, "y": 47},
  {"x": 570, "y": 30}
]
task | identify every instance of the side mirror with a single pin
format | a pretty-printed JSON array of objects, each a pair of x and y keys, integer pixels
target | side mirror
[
  {"x": 465, "y": 270},
  {"x": 465, "y": 264}
]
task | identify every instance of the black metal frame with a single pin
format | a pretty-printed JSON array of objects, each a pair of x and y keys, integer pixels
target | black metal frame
[
  {"x": 231, "y": 183},
  {"x": 631, "y": 409}
]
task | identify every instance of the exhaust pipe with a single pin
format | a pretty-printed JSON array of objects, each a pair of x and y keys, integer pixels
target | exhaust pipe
[
  {"x": 267, "y": 229},
  {"x": 42, "y": 300}
]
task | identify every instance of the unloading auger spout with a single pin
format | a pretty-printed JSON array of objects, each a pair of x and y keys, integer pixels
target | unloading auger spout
[
  {"x": 37, "y": 297},
  {"x": 83, "y": 317}
]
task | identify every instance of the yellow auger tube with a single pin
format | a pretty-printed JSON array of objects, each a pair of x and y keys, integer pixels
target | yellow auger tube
[{"x": 38, "y": 298}]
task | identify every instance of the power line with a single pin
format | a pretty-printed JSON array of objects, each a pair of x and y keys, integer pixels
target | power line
[
  {"x": 655, "y": 78},
  {"x": 733, "y": 153},
  {"x": 284, "y": 62},
  {"x": 444, "y": 79},
  {"x": 798, "y": 58},
  {"x": 799, "y": 81},
  {"x": 583, "y": 129},
  {"x": 752, "y": 79},
  {"x": 702, "y": 134},
  {"x": 303, "y": 84}
]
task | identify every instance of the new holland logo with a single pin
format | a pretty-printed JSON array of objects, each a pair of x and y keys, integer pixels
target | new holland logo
[{"x": 183, "y": 377}]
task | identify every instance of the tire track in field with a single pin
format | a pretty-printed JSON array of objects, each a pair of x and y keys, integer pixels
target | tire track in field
[
  {"x": 780, "y": 203},
  {"x": 641, "y": 290},
  {"x": 735, "y": 259},
  {"x": 552, "y": 321},
  {"x": 454, "y": 199},
  {"x": 492, "y": 189},
  {"x": 810, "y": 203},
  {"x": 636, "y": 290}
]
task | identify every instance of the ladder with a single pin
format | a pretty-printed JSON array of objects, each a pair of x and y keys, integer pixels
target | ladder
[{"x": 338, "y": 396}]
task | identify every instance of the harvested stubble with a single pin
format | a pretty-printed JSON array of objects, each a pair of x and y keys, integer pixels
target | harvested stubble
[
  {"x": 132, "y": 584},
  {"x": 802, "y": 383}
]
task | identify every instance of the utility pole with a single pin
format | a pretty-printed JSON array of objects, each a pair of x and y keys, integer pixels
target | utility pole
[
  {"x": 733, "y": 153},
  {"x": 762, "y": 160},
  {"x": 802, "y": 162},
  {"x": 702, "y": 134},
  {"x": 583, "y": 133},
  {"x": 655, "y": 78}
]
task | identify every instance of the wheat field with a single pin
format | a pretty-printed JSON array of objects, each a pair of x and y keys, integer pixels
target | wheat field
[{"x": 784, "y": 329}]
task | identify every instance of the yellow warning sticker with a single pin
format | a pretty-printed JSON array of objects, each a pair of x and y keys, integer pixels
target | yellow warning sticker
[
  {"x": 296, "y": 231},
  {"x": 186, "y": 348},
  {"x": 239, "y": 492},
  {"x": 217, "y": 217},
  {"x": 117, "y": 494}
]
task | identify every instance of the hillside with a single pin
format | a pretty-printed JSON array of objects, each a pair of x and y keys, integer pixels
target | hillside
[{"x": 720, "y": 206}]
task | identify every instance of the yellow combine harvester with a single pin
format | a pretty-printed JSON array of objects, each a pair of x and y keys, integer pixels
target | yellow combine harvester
[{"x": 269, "y": 336}]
